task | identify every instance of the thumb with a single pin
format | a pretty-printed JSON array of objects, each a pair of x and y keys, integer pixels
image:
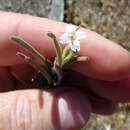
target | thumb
[{"x": 43, "y": 110}]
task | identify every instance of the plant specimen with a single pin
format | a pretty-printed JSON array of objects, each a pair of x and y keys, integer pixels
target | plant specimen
[{"x": 51, "y": 72}]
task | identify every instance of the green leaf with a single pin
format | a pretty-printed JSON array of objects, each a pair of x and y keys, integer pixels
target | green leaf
[
  {"x": 68, "y": 57},
  {"x": 65, "y": 51},
  {"x": 28, "y": 47},
  {"x": 69, "y": 62},
  {"x": 57, "y": 47},
  {"x": 36, "y": 66}
]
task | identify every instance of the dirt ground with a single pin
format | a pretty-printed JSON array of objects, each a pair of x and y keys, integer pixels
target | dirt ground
[{"x": 110, "y": 18}]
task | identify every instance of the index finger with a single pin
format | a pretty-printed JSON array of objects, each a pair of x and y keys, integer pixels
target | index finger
[{"x": 108, "y": 61}]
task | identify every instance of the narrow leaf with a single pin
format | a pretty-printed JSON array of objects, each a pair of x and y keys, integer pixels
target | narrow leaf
[
  {"x": 82, "y": 58},
  {"x": 67, "y": 64},
  {"x": 68, "y": 57},
  {"x": 65, "y": 51},
  {"x": 36, "y": 66},
  {"x": 57, "y": 47},
  {"x": 28, "y": 47}
]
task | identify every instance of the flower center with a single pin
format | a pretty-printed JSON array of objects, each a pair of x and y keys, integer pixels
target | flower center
[{"x": 72, "y": 37}]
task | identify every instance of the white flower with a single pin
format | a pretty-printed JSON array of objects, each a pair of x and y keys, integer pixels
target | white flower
[
  {"x": 108, "y": 127},
  {"x": 73, "y": 37}
]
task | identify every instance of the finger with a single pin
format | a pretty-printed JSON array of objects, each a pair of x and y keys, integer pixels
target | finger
[
  {"x": 118, "y": 91},
  {"x": 7, "y": 82},
  {"x": 32, "y": 109},
  {"x": 108, "y": 61},
  {"x": 102, "y": 105},
  {"x": 22, "y": 71},
  {"x": 99, "y": 104},
  {"x": 34, "y": 33}
]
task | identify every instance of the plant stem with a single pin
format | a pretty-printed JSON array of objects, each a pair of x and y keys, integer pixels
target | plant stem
[{"x": 57, "y": 70}]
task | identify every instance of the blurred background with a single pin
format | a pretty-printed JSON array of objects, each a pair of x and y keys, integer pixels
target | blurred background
[{"x": 110, "y": 18}]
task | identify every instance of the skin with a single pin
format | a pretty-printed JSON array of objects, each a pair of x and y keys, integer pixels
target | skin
[{"x": 100, "y": 84}]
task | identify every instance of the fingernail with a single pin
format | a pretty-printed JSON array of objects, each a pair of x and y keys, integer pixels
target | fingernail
[
  {"x": 74, "y": 110},
  {"x": 65, "y": 114}
]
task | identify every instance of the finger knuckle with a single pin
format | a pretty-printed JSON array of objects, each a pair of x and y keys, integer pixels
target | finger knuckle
[{"x": 21, "y": 113}]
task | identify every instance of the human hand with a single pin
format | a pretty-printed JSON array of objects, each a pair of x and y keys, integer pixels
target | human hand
[{"x": 102, "y": 82}]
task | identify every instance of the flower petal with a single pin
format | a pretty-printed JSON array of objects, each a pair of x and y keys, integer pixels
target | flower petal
[
  {"x": 80, "y": 34},
  {"x": 70, "y": 29},
  {"x": 64, "y": 38},
  {"x": 75, "y": 46}
]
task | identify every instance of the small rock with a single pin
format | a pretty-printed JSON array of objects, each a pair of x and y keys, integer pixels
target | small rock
[
  {"x": 57, "y": 10},
  {"x": 54, "y": 9}
]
